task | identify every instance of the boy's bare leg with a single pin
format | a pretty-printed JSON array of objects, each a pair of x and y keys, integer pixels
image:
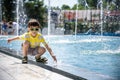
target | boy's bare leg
[
  {"x": 25, "y": 48},
  {"x": 41, "y": 51},
  {"x": 25, "y": 51}
]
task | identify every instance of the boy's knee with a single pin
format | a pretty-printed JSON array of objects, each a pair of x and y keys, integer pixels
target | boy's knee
[
  {"x": 42, "y": 49},
  {"x": 26, "y": 44}
]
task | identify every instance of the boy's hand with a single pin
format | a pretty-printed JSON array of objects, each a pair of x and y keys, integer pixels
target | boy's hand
[
  {"x": 9, "y": 40},
  {"x": 55, "y": 59}
]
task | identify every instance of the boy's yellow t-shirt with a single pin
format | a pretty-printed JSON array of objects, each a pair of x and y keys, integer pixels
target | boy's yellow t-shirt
[{"x": 34, "y": 41}]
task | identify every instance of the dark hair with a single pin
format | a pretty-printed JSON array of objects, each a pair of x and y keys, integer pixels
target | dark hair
[
  {"x": 33, "y": 22},
  {"x": 10, "y": 22}
]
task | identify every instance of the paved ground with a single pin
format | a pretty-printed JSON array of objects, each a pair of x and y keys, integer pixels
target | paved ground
[{"x": 12, "y": 69}]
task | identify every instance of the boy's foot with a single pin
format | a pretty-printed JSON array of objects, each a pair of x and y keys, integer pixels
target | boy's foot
[
  {"x": 41, "y": 59},
  {"x": 25, "y": 60}
]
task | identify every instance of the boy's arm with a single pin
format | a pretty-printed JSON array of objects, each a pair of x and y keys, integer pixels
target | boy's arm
[
  {"x": 11, "y": 39},
  {"x": 51, "y": 52}
]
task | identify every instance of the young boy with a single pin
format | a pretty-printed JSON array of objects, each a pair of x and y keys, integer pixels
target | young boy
[
  {"x": 10, "y": 29},
  {"x": 32, "y": 43}
]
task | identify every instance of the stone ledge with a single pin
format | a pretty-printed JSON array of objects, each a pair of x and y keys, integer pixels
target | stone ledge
[{"x": 65, "y": 70}]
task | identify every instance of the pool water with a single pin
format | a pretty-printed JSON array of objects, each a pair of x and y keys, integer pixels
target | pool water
[{"x": 100, "y": 54}]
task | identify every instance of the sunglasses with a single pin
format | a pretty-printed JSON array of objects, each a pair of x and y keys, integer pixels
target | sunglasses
[{"x": 34, "y": 29}]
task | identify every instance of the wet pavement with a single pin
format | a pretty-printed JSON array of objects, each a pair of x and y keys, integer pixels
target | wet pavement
[{"x": 12, "y": 69}]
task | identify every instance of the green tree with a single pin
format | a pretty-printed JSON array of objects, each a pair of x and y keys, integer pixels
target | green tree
[
  {"x": 65, "y": 7},
  {"x": 8, "y": 9},
  {"x": 93, "y": 3},
  {"x": 35, "y": 9},
  {"x": 80, "y": 7}
]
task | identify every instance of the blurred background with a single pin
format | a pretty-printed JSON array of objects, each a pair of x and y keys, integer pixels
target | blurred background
[{"x": 63, "y": 17}]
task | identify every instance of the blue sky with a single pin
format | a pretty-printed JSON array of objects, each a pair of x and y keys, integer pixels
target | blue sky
[{"x": 61, "y": 2}]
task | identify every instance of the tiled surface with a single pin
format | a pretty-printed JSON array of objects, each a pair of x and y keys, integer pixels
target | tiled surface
[{"x": 12, "y": 69}]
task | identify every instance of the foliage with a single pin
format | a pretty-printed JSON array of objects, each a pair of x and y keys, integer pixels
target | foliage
[
  {"x": 65, "y": 7},
  {"x": 8, "y": 9},
  {"x": 80, "y": 7},
  {"x": 35, "y": 9},
  {"x": 92, "y": 3}
]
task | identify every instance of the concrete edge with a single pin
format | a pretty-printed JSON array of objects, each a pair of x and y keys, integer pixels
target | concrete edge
[
  {"x": 65, "y": 70},
  {"x": 53, "y": 69}
]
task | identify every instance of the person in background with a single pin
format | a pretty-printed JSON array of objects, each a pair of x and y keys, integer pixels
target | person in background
[
  {"x": 10, "y": 29},
  {"x": 4, "y": 27},
  {"x": 32, "y": 44}
]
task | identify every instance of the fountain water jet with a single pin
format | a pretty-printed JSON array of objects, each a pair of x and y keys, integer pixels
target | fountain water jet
[
  {"x": 49, "y": 12},
  {"x": 17, "y": 11},
  {"x": 101, "y": 15},
  {"x": 21, "y": 17}
]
